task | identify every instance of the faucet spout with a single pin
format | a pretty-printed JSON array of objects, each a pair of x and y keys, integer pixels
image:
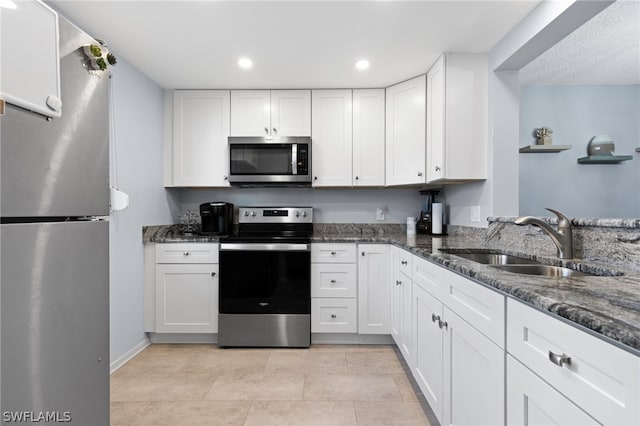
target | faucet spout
[{"x": 562, "y": 238}]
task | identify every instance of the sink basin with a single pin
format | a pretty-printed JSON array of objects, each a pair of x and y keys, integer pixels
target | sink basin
[
  {"x": 491, "y": 258},
  {"x": 541, "y": 270}
]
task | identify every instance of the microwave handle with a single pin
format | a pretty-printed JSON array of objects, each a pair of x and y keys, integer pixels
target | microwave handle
[{"x": 294, "y": 159}]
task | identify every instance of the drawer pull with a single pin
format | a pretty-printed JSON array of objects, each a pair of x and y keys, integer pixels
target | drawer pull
[
  {"x": 186, "y": 253},
  {"x": 334, "y": 316},
  {"x": 362, "y": 253},
  {"x": 442, "y": 324},
  {"x": 333, "y": 281},
  {"x": 213, "y": 274},
  {"x": 333, "y": 253},
  {"x": 435, "y": 318},
  {"x": 559, "y": 360},
  {"x": 403, "y": 262},
  {"x": 398, "y": 282}
]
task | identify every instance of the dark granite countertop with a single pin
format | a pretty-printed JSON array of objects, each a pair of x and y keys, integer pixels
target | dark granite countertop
[{"x": 606, "y": 306}]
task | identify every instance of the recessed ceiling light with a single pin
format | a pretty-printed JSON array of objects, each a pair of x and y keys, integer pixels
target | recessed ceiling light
[
  {"x": 362, "y": 64},
  {"x": 8, "y": 4},
  {"x": 245, "y": 63}
]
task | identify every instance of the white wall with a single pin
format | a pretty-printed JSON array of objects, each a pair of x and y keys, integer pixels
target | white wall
[{"x": 136, "y": 162}]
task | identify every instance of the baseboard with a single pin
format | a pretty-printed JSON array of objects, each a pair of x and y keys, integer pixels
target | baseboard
[
  {"x": 115, "y": 365},
  {"x": 183, "y": 338},
  {"x": 351, "y": 339}
]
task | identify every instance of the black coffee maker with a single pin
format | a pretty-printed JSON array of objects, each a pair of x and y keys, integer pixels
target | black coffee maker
[{"x": 216, "y": 218}]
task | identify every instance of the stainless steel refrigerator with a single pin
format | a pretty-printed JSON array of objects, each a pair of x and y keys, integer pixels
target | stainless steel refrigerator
[{"x": 55, "y": 251}]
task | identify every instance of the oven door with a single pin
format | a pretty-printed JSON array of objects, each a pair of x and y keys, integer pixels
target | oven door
[{"x": 265, "y": 278}]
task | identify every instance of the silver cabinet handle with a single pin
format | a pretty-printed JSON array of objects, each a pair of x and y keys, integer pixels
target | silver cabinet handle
[
  {"x": 442, "y": 324},
  {"x": 333, "y": 253},
  {"x": 403, "y": 262},
  {"x": 559, "y": 360},
  {"x": 213, "y": 274},
  {"x": 315, "y": 178},
  {"x": 362, "y": 253},
  {"x": 225, "y": 177},
  {"x": 334, "y": 316},
  {"x": 357, "y": 178},
  {"x": 419, "y": 173},
  {"x": 266, "y": 130},
  {"x": 186, "y": 253},
  {"x": 275, "y": 131},
  {"x": 333, "y": 281},
  {"x": 398, "y": 282},
  {"x": 437, "y": 168},
  {"x": 435, "y": 317}
]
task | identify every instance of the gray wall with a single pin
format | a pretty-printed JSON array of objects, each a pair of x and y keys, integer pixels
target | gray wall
[
  {"x": 136, "y": 161},
  {"x": 576, "y": 114},
  {"x": 330, "y": 205}
]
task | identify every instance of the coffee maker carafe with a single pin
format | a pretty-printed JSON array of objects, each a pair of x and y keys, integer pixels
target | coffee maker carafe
[{"x": 216, "y": 218}]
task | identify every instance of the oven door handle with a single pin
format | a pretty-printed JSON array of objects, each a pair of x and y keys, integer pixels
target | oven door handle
[{"x": 263, "y": 247}]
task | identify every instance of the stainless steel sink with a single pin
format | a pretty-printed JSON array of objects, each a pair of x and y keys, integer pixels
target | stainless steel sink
[
  {"x": 491, "y": 258},
  {"x": 541, "y": 270}
]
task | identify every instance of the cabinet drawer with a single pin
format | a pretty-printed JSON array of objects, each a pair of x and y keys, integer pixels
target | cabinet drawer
[
  {"x": 601, "y": 379},
  {"x": 429, "y": 276},
  {"x": 333, "y": 315},
  {"x": 405, "y": 262},
  {"x": 333, "y": 280},
  {"x": 187, "y": 253},
  {"x": 333, "y": 253}
]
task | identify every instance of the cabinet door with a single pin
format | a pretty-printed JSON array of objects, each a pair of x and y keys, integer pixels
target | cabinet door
[
  {"x": 186, "y": 298},
  {"x": 405, "y": 142},
  {"x": 395, "y": 323},
  {"x": 200, "y": 133},
  {"x": 250, "y": 113},
  {"x": 474, "y": 375},
  {"x": 435, "y": 120},
  {"x": 331, "y": 135},
  {"x": 531, "y": 401},
  {"x": 373, "y": 289},
  {"x": 407, "y": 326},
  {"x": 368, "y": 137},
  {"x": 291, "y": 113},
  {"x": 429, "y": 349}
]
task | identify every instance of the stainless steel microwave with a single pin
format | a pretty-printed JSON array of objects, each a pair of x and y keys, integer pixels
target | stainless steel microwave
[{"x": 270, "y": 160}]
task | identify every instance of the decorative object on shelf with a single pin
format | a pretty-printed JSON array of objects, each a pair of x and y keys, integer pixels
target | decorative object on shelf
[
  {"x": 99, "y": 56},
  {"x": 543, "y": 136},
  {"x": 544, "y": 148},
  {"x": 600, "y": 150},
  {"x": 638, "y": 149},
  {"x": 188, "y": 222}
]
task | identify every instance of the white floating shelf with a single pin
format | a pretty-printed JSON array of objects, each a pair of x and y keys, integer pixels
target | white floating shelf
[{"x": 544, "y": 148}]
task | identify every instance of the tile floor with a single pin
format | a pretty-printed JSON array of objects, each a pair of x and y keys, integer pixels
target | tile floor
[{"x": 322, "y": 385}]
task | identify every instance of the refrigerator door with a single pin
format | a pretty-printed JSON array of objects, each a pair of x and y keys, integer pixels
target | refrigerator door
[
  {"x": 60, "y": 167},
  {"x": 55, "y": 320}
]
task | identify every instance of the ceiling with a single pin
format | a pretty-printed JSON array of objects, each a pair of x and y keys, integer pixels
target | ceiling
[
  {"x": 603, "y": 51},
  {"x": 293, "y": 44}
]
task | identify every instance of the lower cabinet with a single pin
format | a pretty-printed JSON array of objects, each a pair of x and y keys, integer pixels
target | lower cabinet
[
  {"x": 401, "y": 319},
  {"x": 186, "y": 298},
  {"x": 531, "y": 401},
  {"x": 373, "y": 289}
]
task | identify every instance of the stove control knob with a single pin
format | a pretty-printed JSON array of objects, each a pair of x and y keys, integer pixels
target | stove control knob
[
  {"x": 246, "y": 213},
  {"x": 297, "y": 213},
  {"x": 304, "y": 214},
  {"x": 253, "y": 214}
]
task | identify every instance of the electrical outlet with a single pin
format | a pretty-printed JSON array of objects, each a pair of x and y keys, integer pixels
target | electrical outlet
[
  {"x": 475, "y": 214},
  {"x": 379, "y": 214}
]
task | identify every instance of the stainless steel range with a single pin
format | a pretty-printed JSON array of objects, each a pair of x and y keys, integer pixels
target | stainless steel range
[{"x": 265, "y": 279}]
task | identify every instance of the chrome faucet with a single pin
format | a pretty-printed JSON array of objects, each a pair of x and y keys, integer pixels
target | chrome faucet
[{"x": 562, "y": 238}]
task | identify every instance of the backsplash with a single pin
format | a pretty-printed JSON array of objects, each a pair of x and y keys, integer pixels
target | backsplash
[{"x": 614, "y": 242}]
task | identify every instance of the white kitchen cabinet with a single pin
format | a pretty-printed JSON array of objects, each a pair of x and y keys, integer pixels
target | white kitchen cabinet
[
  {"x": 405, "y": 132},
  {"x": 270, "y": 113},
  {"x": 200, "y": 133},
  {"x": 602, "y": 380},
  {"x": 332, "y": 137},
  {"x": 373, "y": 289},
  {"x": 457, "y": 117},
  {"x": 181, "y": 288},
  {"x": 531, "y": 401},
  {"x": 334, "y": 298},
  {"x": 401, "y": 321},
  {"x": 368, "y": 137},
  {"x": 30, "y": 73}
]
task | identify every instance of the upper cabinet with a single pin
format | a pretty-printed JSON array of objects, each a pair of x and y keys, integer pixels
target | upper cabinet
[
  {"x": 405, "y": 145},
  {"x": 30, "y": 72},
  {"x": 457, "y": 103},
  {"x": 270, "y": 113},
  {"x": 368, "y": 137},
  {"x": 332, "y": 138},
  {"x": 200, "y": 134}
]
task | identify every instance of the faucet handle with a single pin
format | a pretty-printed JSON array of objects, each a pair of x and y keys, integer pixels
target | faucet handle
[{"x": 563, "y": 221}]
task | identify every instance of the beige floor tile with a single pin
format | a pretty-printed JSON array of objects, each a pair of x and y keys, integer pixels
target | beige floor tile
[
  {"x": 239, "y": 386},
  {"x": 211, "y": 413},
  {"x": 153, "y": 361},
  {"x": 217, "y": 361},
  {"x": 404, "y": 387},
  {"x": 373, "y": 362},
  {"x": 126, "y": 413},
  {"x": 390, "y": 413},
  {"x": 351, "y": 348},
  {"x": 307, "y": 362},
  {"x": 350, "y": 387},
  {"x": 163, "y": 387},
  {"x": 301, "y": 413}
]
